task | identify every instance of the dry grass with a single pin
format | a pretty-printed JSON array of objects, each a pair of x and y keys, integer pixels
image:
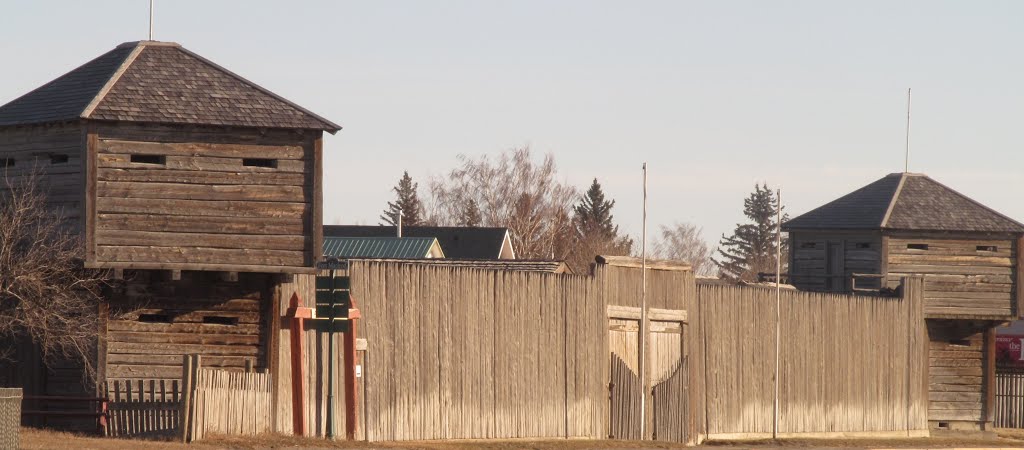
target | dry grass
[{"x": 41, "y": 439}]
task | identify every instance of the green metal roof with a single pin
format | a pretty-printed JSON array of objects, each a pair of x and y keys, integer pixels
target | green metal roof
[{"x": 378, "y": 247}]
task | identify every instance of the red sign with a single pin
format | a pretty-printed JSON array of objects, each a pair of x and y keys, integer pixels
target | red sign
[{"x": 1010, "y": 350}]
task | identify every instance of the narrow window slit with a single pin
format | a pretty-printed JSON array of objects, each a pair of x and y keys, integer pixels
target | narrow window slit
[
  {"x": 808, "y": 245},
  {"x": 220, "y": 320},
  {"x": 987, "y": 248},
  {"x": 58, "y": 159},
  {"x": 149, "y": 159},
  {"x": 260, "y": 162},
  {"x": 917, "y": 246},
  {"x": 863, "y": 245},
  {"x": 154, "y": 318}
]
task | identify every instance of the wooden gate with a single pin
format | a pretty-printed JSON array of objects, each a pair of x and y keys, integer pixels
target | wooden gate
[{"x": 665, "y": 373}]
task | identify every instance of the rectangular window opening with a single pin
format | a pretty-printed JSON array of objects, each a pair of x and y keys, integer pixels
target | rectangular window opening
[
  {"x": 260, "y": 162},
  {"x": 58, "y": 159},
  {"x": 987, "y": 248},
  {"x": 863, "y": 245},
  {"x": 149, "y": 159},
  {"x": 154, "y": 318},
  {"x": 917, "y": 246},
  {"x": 808, "y": 245},
  {"x": 960, "y": 342},
  {"x": 6, "y": 162},
  {"x": 220, "y": 320}
]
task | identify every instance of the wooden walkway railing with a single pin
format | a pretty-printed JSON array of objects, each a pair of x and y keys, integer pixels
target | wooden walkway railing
[
  {"x": 143, "y": 407},
  {"x": 1009, "y": 406}
]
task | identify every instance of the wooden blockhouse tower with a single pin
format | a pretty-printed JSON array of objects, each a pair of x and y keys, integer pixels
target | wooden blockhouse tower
[
  {"x": 909, "y": 224},
  {"x": 200, "y": 189}
]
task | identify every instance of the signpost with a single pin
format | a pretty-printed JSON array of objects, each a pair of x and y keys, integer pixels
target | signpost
[{"x": 332, "y": 304}]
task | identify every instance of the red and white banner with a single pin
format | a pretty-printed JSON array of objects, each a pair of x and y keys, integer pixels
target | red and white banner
[{"x": 1010, "y": 350}]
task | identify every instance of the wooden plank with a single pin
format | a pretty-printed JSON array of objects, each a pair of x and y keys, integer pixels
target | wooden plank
[
  {"x": 201, "y": 163},
  {"x": 278, "y": 269},
  {"x": 990, "y": 375},
  {"x": 652, "y": 264},
  {"x": 89, "y": 218},
  {"x": 141, "y": 175},
  {"x": 260, "y": 193},
  {"x": 316, "y": 216},
  {"x": 293, "y": 226},
  {"x": 1019, "y": 283},
  {"x": 223, "y": 241},
  {"x": 205, "y": 208},
  {"x": 204, "y": 149},
  {"x": 199, "y": 255}
]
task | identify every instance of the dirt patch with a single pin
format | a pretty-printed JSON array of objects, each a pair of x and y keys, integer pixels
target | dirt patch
[{"x": 42, "y": 439}]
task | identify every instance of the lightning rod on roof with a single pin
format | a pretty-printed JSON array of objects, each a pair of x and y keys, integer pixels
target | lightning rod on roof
[
  {"x": 906, "y": 156},
  {"x": 151, "y": 20}
]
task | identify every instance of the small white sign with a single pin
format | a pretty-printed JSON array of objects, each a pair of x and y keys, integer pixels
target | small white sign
[{"x": 359, "y": 370}]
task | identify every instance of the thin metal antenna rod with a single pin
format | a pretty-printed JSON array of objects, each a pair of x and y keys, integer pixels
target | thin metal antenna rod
[
  {"x": 643, "y": 316},
  {"x": 151, "y": 20},
  {"x": 778, "y": 314},
  {"x": 906, "y": 157}
]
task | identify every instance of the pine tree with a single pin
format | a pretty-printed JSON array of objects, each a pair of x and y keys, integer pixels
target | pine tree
[
  {"x": 595, "y": 230},
  {"x": 407, "y": 204},
  {"x": 471, "y": 216},
  {"x": 752, "y": 247}
]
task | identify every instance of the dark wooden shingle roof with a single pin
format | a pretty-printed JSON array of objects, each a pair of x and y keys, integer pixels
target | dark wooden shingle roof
[
  {"x": 456, "y": 242},
  {"x": 905, "y": 201},
  {"x": 158, "y": 82}
]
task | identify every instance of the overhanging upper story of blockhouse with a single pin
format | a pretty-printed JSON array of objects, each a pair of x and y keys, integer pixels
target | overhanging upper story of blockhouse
[
  {"x": 165, "y": 160},
  {"x": 909, "y": 224}
]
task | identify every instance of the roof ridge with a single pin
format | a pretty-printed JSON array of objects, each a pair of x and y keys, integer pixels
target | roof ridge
[
  {"x": 102, "y": 94},
  {"x": 334, "y": 127},
  {"x": 971, "y": 200},
  {"x": 892, "y": 201}
]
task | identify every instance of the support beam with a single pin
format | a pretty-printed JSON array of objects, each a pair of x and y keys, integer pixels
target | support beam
[
  {"x": 350, "y": 373},
  {"x": 990, "y": 377},
  {"x": 298, "y": 314},
  {"x": 1018, "y": 284}
]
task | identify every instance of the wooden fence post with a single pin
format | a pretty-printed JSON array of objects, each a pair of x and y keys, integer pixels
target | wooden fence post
[
  {"x": 297, "y": 314},
  {"x": 186, "y": 396}
]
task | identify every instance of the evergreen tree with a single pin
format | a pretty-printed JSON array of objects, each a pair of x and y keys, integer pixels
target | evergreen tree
[
  {"x": 751, "y": 248},
  {"x": 471, "y": 216},
  {"x": 407, "y": 204},
  {"x": 595, "y": 230}
]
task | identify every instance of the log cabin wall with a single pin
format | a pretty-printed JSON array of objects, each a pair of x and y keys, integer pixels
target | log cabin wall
[
  {"x": 960, "y": 383},
  {"x": 966, "y": 277},
  {"x": 825, "y": 261},
  {"x": 54, "y": 152},
  {"x": 151, "y": 322},
  {"x": 203, "y": 198}
]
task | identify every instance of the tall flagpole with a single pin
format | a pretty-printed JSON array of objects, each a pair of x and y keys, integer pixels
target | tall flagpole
[
  {"x": 643, "y": 316},
  {"x": 778, "y": 306},
  {"x": 151, "y": 20},
  {"x": 906, "y": 156}
]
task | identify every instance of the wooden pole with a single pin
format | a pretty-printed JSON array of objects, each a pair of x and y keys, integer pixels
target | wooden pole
[
  {"x": 350, "y": 381},
  {"x": 186, "y": 396},
  {"x": 643, "y": 315},
  {"x": 778, "y": 313},
  {"x": 298, "y": 314}
]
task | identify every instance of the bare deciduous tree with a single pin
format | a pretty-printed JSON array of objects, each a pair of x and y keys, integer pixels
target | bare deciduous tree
[
  {"x": 683, "y": 242},
  {"x": 45, "y": 294},
  {"x": 510, "y": 191}
]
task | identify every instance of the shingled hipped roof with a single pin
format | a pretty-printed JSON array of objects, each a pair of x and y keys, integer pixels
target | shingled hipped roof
[
  {"x": 158, "y": 82},
  {"x": 905, "y": 201}
]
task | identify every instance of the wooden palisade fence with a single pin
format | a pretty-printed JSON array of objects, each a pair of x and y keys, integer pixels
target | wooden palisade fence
[
  {"x": 1009, "y": 407},
  {"x": 143, "y": 408},
  {"x": 224, "y": 402}
]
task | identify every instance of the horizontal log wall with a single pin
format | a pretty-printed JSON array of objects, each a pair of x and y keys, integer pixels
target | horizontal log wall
[
  {"x": 965, "y": 277},
  {"x": 153, "y": 322},
  {"x": 849, "y": 364},
  {"x": 957, "y": 384},
  {"x": 55, "y": 153},
  {"x": 811, "y": 270},
  {"x": 198, "y": 206}
]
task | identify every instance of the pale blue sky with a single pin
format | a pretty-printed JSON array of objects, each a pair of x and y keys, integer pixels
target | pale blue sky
[{"x": 715, "y": 96}]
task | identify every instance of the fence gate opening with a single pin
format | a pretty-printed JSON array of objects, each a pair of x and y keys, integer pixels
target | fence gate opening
[{"x": 665, "y": 371}]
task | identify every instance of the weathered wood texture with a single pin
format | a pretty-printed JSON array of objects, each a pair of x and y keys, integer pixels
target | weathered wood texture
[
  {"x": 957, "y": 376},
  {"x": 847, "y": 363},
  {"x": 55, "y": 153},
  {"x": 143, "y": 408},
  {"x": 822, "y": 261},
  {"x": 194, "y": 202},
  {"x": 964, "y": 277},
  {"x": 1009, "y": 398},
  {"x": 154, "y": 322},
  {"x": 230, "y": 403}
]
